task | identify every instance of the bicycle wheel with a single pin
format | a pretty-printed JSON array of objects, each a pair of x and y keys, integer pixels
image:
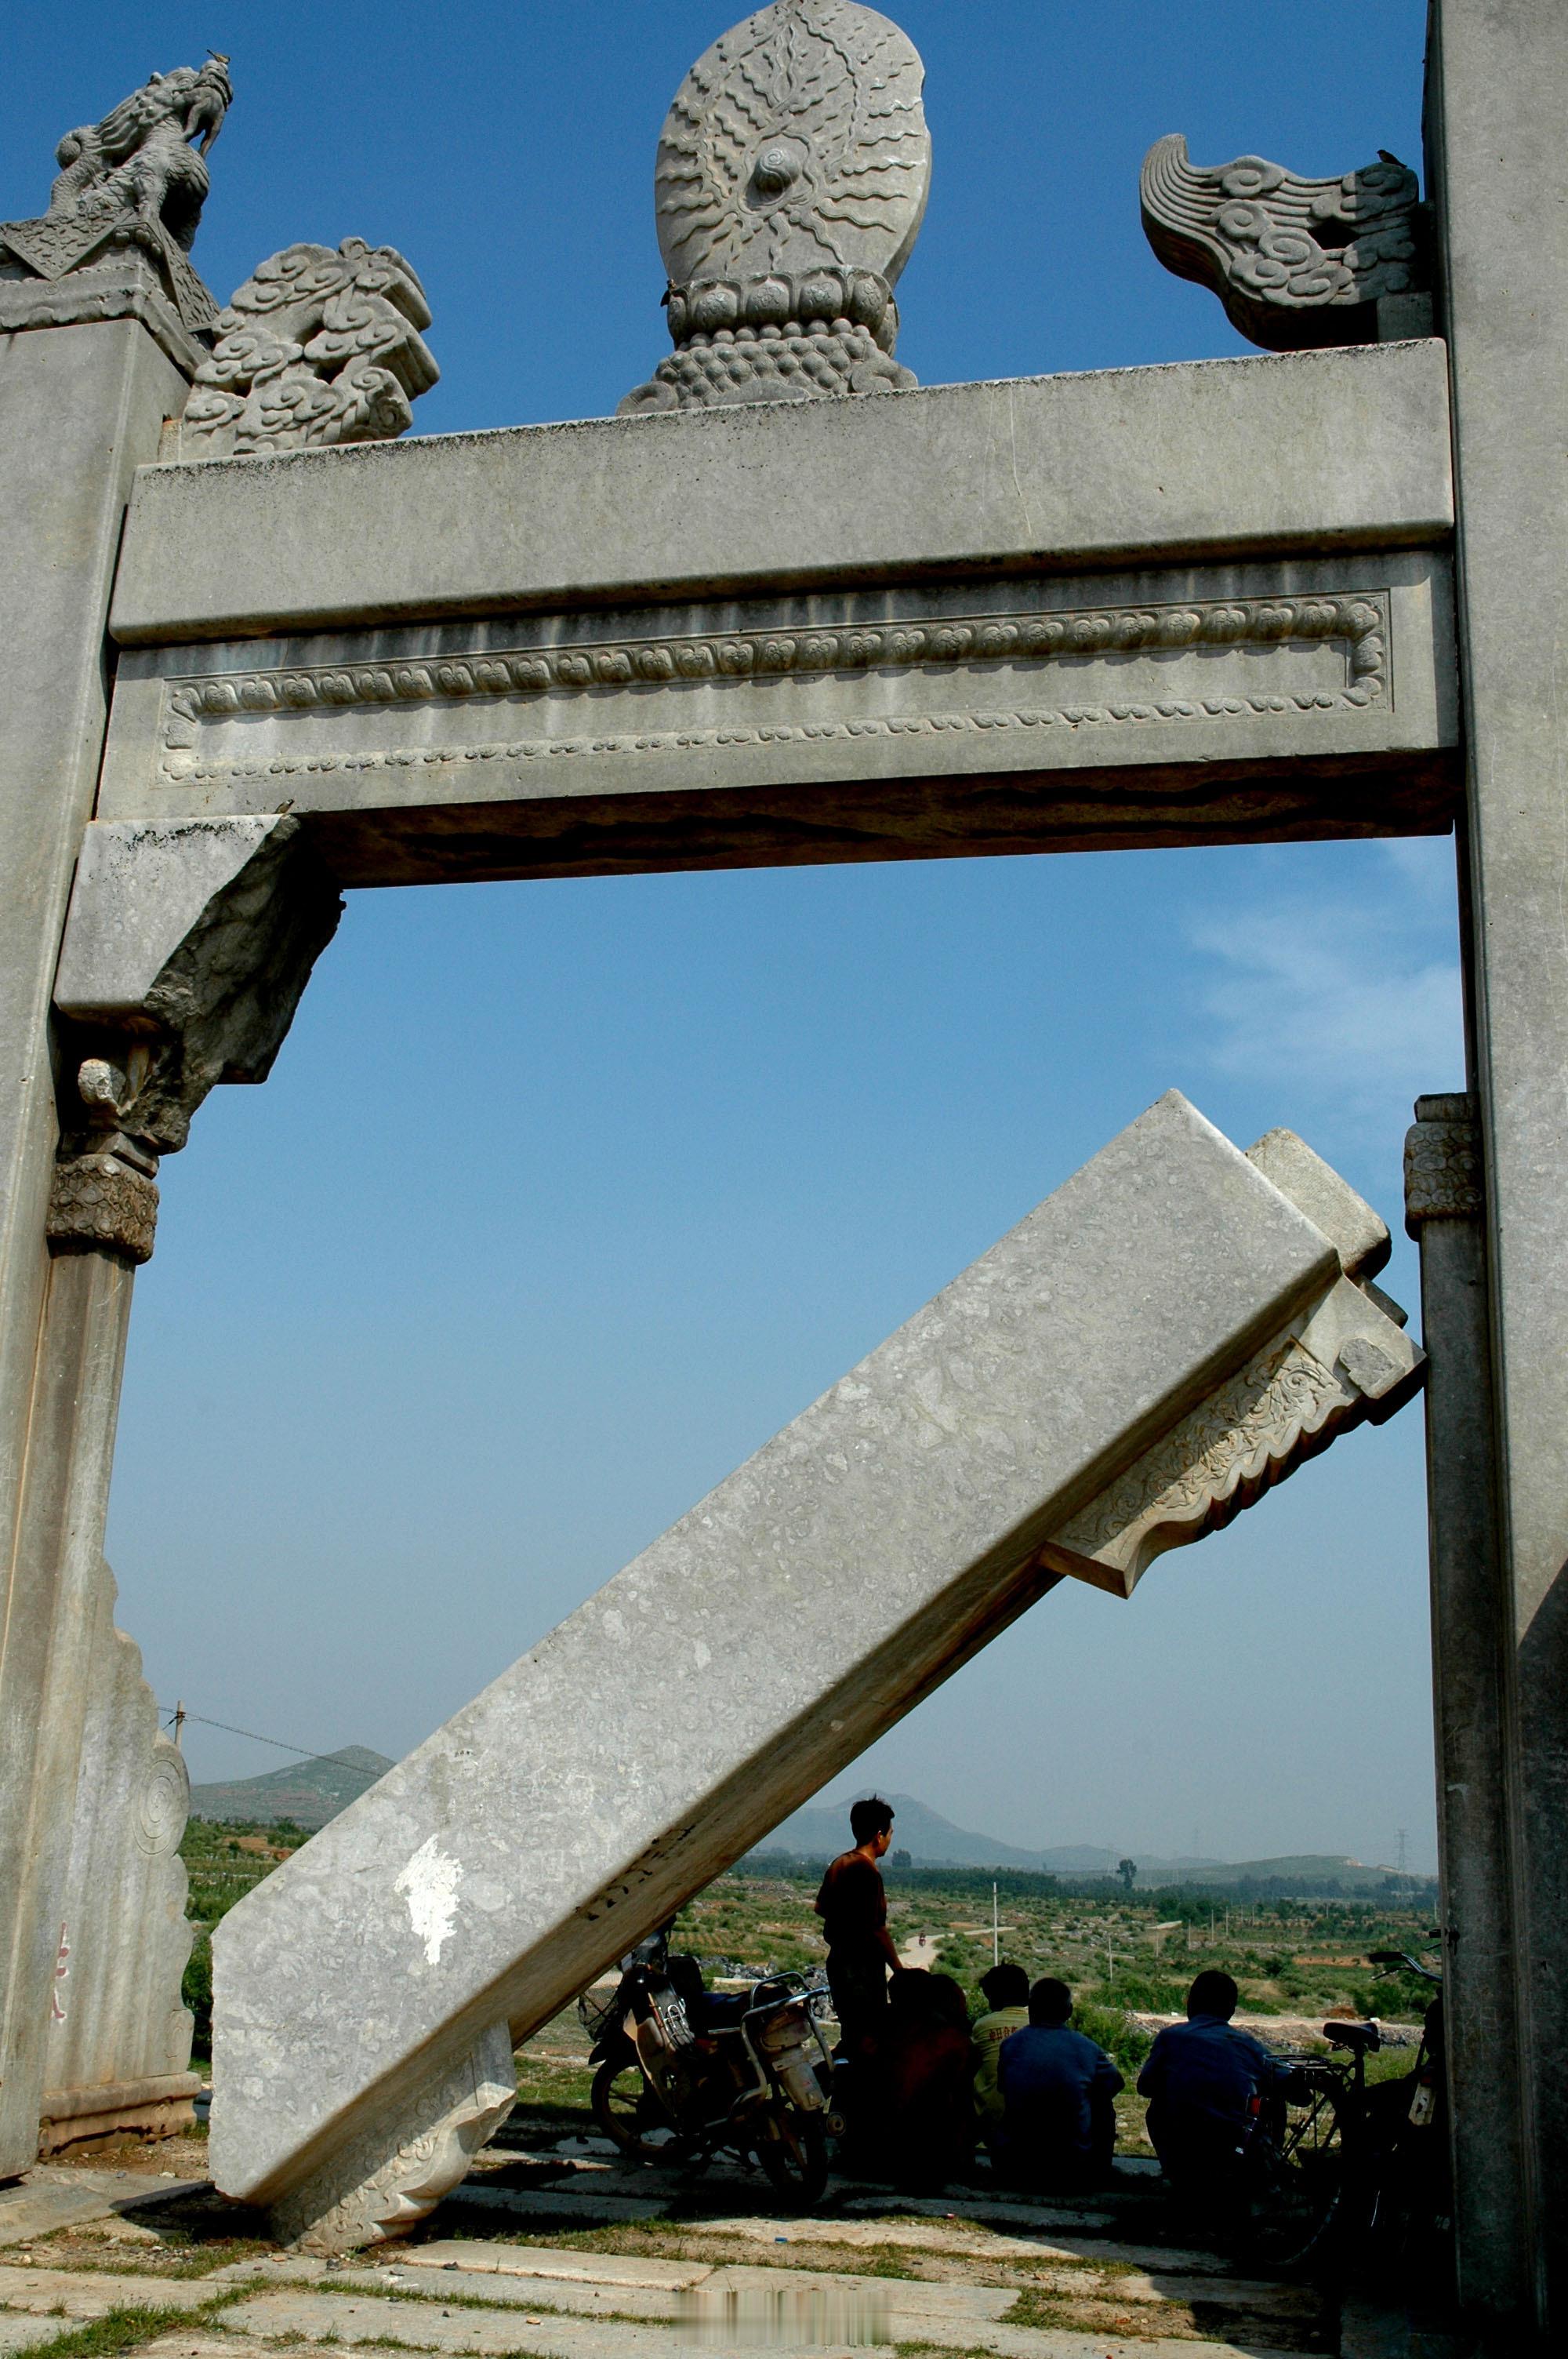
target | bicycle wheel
[
  {"x": 1308, "y": 2197},
  {"x": 630, "y": 2115},
  {"x": 795, "y": 2154}
]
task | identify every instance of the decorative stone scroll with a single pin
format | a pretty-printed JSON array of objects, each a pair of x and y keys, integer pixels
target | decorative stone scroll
[
  {"x": 319, "y": 346},
  {"x": 790, "y": 180},
  {"x": 1295, "y": 263},
  {"x": 1442, "y": 1163},
  {"x": 365, "y": 2195},
  {"x": 133, "y": 179}
]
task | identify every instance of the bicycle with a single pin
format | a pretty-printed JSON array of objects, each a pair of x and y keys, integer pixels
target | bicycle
[{"x": 1347, "y": 2169}]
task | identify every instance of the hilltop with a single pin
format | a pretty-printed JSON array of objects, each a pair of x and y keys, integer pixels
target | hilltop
[
  {"x": 820, "y": 1831},
  {"x": 308, "y": 1792}
]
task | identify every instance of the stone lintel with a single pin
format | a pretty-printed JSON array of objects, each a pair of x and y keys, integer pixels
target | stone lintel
[
  {"x": 1212, "y": 459},
  {"x": 1160, "y": 1340},
  {"x": 1263, "y": 701}
]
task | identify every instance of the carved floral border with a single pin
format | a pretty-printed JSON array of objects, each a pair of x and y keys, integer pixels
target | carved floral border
[{"x": 1360, "y": 618}]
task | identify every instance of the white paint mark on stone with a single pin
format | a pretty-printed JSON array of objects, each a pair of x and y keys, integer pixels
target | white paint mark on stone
[{"x": 429, "y": 1882}]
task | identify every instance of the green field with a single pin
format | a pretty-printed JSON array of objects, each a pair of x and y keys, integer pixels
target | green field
[{"x": 1124, "y": 1954}]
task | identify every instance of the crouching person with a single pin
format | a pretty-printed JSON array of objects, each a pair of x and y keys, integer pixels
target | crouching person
[
  {"x": 1058, "y": 2128},
  {"x": 1206, "y": 2084}
]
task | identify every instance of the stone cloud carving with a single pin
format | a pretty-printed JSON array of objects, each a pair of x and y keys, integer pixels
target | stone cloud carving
[
  {"x": 319, "y": 346},
  {"x": 1295, "y": 263},
  {"x": 134, "y": 178},
  {"x": 790, "y": 180}
]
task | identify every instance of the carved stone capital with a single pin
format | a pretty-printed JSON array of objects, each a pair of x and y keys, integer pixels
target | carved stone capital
[
  {"x": 98, "y": 1199},
  {"x": 791, "y": 177},
  {"x": 186, "y": 947},
  {"x": 1442, "y": 1163}
]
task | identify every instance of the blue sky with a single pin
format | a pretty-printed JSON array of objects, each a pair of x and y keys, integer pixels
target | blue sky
[{"x": 563, "y": 1197}]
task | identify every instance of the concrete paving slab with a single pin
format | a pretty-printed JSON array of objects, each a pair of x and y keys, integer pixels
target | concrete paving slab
[
  {"x": 467, "y": 2253},
  {"x": 19, "y": 2332},
  {"x": 261, "y": 2325},
  {"x": 963, "y": 2242},
  {"x": 563, "y": 2203},
  {"x": 84, "y": 2293},
  {"x": 579, "y": 2296},
  {"x": 50, "y": 2199},
  {"x": 967, "y": 2206}
]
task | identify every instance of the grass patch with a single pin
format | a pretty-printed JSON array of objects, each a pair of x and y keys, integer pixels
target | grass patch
[{"x": 124, "y": 2328}]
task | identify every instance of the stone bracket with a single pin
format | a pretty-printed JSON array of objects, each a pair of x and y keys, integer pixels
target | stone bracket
[{"x": 186, "y": 947}]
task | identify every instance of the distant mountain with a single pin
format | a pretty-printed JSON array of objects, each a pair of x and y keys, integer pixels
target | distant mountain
[
  {"x": 822, "y": 1830},
  {"x": 309, "y": 1793}
]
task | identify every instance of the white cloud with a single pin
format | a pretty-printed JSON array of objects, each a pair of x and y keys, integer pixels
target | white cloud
[{"x": 1354, "y": 994}]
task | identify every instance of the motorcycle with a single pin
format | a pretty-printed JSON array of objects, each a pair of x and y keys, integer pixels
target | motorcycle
[{"x": 683, "y": 2073}]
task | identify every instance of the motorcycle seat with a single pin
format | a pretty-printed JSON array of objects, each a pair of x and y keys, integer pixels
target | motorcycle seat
[
  {"x": 722, "y": 2010},
  {"x": 1363, "y": 2037}
]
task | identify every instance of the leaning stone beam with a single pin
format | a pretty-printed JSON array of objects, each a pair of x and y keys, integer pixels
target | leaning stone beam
[{"x": 1173, "y": 1329}]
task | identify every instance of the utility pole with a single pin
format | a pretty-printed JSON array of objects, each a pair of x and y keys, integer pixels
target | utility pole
[
  {"x": 996, "y": 1929},
  {"x": 179, "y": 1723}
]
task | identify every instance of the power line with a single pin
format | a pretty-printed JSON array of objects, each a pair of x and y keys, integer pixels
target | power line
[{"x": 304, "y": 1752}]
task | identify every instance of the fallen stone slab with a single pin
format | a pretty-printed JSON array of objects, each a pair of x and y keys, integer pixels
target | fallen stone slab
[{"x": 1160, "y": 1340}]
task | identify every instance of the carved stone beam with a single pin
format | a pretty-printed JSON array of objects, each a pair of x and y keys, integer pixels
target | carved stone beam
[
  {"x": 1295, "y": 263},
  {"x": 186, "y": 950},
  {"x": 791, "y": 182}
]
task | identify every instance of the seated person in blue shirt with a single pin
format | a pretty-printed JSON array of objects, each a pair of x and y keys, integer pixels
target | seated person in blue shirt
[
  {"x": 1206, "y": 2084},
  {"x": 1058, "y": 2125}
]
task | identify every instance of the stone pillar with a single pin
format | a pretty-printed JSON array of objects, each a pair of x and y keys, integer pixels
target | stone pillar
[
  {"x": 80, "y": 405},
  {"x": 1496, "y": 90},
  {"x": 1470, "y": 1702}
]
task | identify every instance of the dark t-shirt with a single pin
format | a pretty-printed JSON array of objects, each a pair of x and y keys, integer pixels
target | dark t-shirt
[{"x": 851, "y": 1904}]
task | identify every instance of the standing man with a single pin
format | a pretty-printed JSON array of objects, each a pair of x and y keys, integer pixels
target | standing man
[{"x": 853, "y": 1908}]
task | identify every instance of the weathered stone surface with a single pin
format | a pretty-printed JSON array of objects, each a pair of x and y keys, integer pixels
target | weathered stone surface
[
  {"x": 791, "y": 182},
  {"x": 1209, "y": 462},
  {"x": 187, "y": 947},
  {"x": 703, "y": 1693},
  {"x": 119, "y": 2044},
  {"x": 319, "y": 346},
  {"x": 1248, "y": 701},
  {"x": 79, "y": 406},
  {"x": 122, "y": 285},
  {"x": 1497, "y": 83},
  {"x": 134, "y": 181},
  {"x": 1295, "y": 263}
]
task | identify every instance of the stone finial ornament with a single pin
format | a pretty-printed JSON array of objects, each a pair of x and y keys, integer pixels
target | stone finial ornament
[
  {"x": 791, "y": 181},
  {"x": 319, "y": 346},
  {"x": 134, "y": 178},
  {"x": 1296, "y": 263}
]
